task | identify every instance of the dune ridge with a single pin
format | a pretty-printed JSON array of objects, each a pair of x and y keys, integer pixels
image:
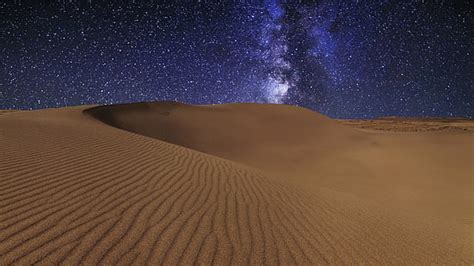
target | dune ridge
[{"x": 77, "y": 191}]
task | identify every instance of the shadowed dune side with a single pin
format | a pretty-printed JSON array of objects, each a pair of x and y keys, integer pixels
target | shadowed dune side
[
  {"x": 267, "y": 136},
  {"x": 74, "y": 190}
]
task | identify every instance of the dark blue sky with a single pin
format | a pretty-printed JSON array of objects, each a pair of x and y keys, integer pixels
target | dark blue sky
[{"x": 345, "y": 59}]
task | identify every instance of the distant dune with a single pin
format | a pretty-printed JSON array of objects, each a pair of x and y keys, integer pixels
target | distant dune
[
  {"x": 7, "y": 111},
  {"x": 414, "y": 124},
  {"x": 229, "y": 184}
]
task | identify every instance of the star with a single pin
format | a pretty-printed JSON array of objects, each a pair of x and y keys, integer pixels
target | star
[{"x": 345, "y": 59}]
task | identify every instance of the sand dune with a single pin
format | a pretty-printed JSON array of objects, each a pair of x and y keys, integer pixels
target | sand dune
[
  {"x": 430, "y": 172},
  {"x": 413, "y": 124},
  {"x": 2, "y": 112},
  {"x": 228, "y": 184}
]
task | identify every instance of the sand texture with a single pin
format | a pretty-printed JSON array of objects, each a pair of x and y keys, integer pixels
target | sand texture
[{"x": 168, "y": 183}]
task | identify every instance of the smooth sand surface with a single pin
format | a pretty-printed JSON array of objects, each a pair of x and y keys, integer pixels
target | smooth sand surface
[{"x": 229, "y": 184}]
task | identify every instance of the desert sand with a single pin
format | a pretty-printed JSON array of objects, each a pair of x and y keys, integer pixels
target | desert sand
[{"x": 164, "y": 182}]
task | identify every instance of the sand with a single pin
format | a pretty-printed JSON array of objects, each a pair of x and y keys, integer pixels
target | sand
[
  {"x": 413, "y": 124},
  {"x": 230, "y": 184}
]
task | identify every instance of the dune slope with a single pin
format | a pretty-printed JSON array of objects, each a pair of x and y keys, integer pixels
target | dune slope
[
  {"x": 75, "y": 190},
  {"x": 425, "y": 173}
]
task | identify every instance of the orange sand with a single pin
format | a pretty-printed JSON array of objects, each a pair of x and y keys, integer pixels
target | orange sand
[{"x": 237, "y": 183}]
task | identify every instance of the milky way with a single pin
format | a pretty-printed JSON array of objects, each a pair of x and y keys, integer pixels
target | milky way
[{"x": 345, "y": 59}]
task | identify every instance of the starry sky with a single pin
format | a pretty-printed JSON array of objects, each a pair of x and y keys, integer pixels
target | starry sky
[{"x": 345, "y": 59}]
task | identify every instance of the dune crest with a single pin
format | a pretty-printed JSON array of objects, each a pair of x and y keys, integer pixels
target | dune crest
[{"x": 229, "y": 184}]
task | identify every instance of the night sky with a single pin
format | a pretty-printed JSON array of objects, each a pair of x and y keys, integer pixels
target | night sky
[{"x": 345, "y": 59}]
